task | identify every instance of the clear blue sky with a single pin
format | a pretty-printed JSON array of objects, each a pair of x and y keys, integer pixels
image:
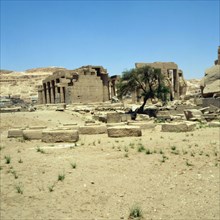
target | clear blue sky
[{"x": 114, "y": 34}]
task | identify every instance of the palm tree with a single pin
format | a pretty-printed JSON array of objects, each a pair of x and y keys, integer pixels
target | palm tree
[{"x": 147, "y": 79}]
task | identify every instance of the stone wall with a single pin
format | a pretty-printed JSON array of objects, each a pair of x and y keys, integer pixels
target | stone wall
[
  {"x": 173, "y": 77},
  {"x": 83, "y": 85}
]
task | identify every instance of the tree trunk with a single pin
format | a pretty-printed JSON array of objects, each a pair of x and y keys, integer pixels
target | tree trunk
[{"x": 141, "y": 109}]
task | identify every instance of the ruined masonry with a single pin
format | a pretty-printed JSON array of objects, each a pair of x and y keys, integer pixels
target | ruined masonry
[
  {"x": 83, "y": 85},
  {"x": 173, "y": 77}
]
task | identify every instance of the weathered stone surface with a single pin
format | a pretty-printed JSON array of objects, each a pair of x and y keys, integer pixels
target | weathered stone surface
[
  {"x": 52, "y": 136},
  {"x": 124, "y": 131},
  {"x": 74, "y": 127},
  {"x": 32, "y": 134},
  {"x": 214, "y": 124},
  {"x": 125, "y": 117},
  {"x": 178, "y": 127},
  {"x": 143, "y": 125},
  {"x": 116, "y": 124},
  {"x": 193, "y": 114},
  {"x": 95, "y": 129},
  {"x": 37, "y": 127},
  {"x": 210, "y": 84},
  {"x": 14, "y": 133},
  {"x": 113, "y": 117}
]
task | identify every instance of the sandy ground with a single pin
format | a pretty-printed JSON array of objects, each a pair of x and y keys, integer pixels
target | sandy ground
[{"x": 177, "y": 179}]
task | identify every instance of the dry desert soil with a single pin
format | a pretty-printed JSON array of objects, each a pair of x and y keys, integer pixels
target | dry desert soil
[{"x": 168, "y": 175}]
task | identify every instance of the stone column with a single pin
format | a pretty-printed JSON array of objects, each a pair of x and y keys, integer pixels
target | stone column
[
  {"x": 57, "y": 94},
  {"x": 104, "y": 78},
  {"x": 40, "y": 97},
  {"x": 62, "y": 99},
  {"x": 176, "y": 84},
  {"x": 44, "y": 94},
  {"x": 52, "y": 94},
  {"x": 48, "y": 95}
]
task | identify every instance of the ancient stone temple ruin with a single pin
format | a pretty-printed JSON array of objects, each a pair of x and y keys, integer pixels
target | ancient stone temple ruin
[
  {"x": 82, "y": 85},
  {"x": 173, "y": 77}
]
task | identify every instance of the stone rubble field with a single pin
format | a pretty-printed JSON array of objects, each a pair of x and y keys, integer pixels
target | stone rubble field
[{"x": 168, "y": 173}]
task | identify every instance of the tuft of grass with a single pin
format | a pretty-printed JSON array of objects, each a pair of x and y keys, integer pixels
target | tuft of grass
[
  {"x": 136, "y": 212},
  {"x": 61, "y": 177},
  {"x": 126, "y": 149},
  {"x": 73, "y": 165},
  {"x": 188, "y": 164},
  {"x": 192, "y": 154},
  {"x": 141, "y": 148},
  {"x": 176, "y": 152},
  {"x": 99, "y": 141},
  {"x": 20, "y": 161},
  {"x": 7, "y": 159},
  {"x": 126, "y": 155},
  {"x": 51, "y": 188},
  {"x": 131, "y": 145},
  {"x": 19, "y": 189},
  {"x": 15, "y": 174},
  {"x": 185, "y": 152},
  {"x": 38, "y": 149},
  {"x": 148, "y": 151},
  {"x": 161, "y": 151},
  {"x": 201, "y": 153},
  {"x": 173, "y": 148},
  {"x": 164, "y": 158}
]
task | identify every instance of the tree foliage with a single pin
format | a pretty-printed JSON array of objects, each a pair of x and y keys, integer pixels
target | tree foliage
[{"x": 150, "y": 81}]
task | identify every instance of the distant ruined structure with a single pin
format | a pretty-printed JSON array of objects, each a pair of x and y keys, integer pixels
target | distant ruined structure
[
  {"x": 83, "y": 85},
  {"x": 173, "y": 78},
  {"x": 210, "y": 84}
]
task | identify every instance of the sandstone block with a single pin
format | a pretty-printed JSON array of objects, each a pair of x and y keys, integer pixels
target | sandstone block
[
  {"x": 113, "y": 117},
  {"x": 214, "y": 124},
  {"x": 193, "y": 114},
  {"x": 52, "y": 136},
  {"x": 32, "y": 134},
  {"x": 125, "y": 117},
  {"x": 143, "y": 125},
  {"x": 37, "y": 127},
  {"x": 14, "y": 133},
  {"x": 124, "y": 131},
  {"x": 96, "y": 129},
  {"x": 178, "y": 127}
]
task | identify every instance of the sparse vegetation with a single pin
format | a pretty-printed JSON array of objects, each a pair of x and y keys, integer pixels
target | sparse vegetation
[
  {"x": 7, "y": 159},
  {"x": 20, "y": 161},
  {"x": 136, "y": 212},
  {"x": 141, "y": 148},
  {"x": 73, "y": 165},
  {"x": 19, "y": 188},
  {"x": 61, "y": 177},
  {"x": 148, "y": 151},
  {"x": 126, "y": 155},
  {"x": 188, "y": 163},
  {"x": 51, "y": 188},
  {"x": 38, "y": 149}
]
